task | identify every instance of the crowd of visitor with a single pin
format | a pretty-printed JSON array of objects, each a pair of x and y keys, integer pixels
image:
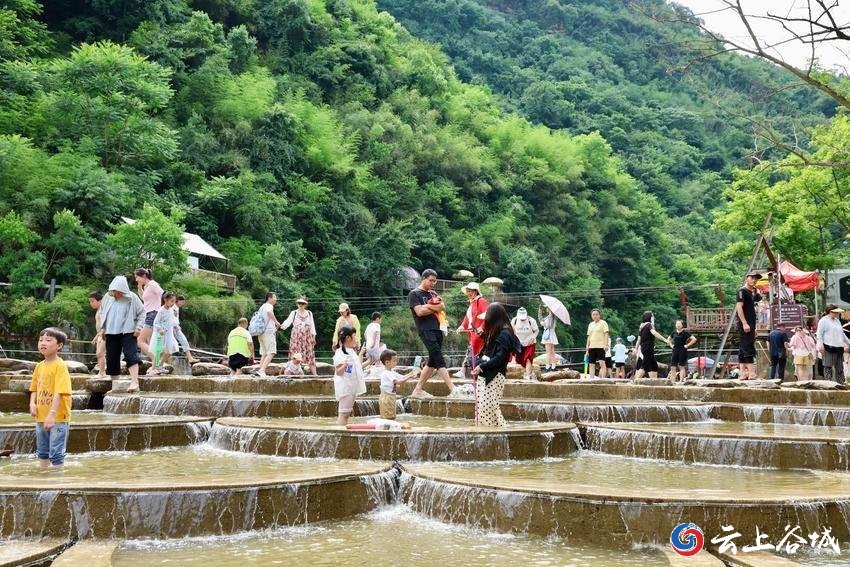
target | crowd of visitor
[{"x": 146, "y": 323}]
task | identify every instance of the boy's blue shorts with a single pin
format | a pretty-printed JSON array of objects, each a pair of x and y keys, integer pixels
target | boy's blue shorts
[{"x": 51, "y": 444}]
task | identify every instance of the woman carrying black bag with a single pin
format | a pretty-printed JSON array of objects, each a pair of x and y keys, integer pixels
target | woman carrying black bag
[{"x": 500, "y": 343}]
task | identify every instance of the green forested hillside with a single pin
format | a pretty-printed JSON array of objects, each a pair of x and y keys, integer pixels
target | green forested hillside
[
  {"x": 322, "y": 148},
  {"x": 606, "y": 66}
]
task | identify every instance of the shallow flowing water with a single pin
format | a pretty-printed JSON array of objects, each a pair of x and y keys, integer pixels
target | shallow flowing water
[
  {"x": 194, "y": 466},
  {"x": 86, "y": 417},
  {"x": 779, "y": 430},
  {"x": 447, "y": 424},
  {"x": 389, "y": 536},
  {"x": 590, "y": 473}
]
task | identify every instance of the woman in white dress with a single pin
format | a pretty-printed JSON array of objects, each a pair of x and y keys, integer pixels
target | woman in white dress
[{"x": 549, "y": 338}]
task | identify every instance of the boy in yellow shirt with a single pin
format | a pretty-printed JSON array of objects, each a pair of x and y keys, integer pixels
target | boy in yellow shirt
[{"x": 50, "y": 399}]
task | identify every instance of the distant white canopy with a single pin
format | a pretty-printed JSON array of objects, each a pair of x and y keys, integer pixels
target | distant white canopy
[
  {"x": 193, "y": 244},
  {"x": 492, "y": 280},
  {"x": 463, "y": 274}
]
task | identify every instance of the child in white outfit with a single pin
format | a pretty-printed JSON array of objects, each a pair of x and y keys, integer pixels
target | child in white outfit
[
  {"x": 163, "y": 344},
  {"x": 349, "y": 381},
  {"x": 293, "y": 367},
  {"x": 390, "y": 379}
]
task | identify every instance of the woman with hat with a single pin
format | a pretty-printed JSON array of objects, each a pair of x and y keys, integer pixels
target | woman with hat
[
  {"x": 831, "y": 344},
  {"x": 526, "y": 330},
  {"x": 346, "y": 319},
  {"x": 303, "y": 337},
  {"x": 473, "y": 323}
]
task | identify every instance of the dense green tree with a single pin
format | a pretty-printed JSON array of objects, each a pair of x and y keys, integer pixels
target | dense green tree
[
  {"x": 154, "y": 241},
  {"x": 324, "y": 149}
]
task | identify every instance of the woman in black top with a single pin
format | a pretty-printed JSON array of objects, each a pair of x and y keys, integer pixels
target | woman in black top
[
  {"x": 500, "y": 343},
  {"x": 646, "y": 343},
  {"x": 682, "y": 340}
]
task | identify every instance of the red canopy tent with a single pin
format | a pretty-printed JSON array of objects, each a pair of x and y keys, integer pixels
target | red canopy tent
[{"x": 797, "y": 279}]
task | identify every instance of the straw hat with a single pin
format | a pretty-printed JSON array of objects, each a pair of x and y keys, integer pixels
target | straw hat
[
  {"x": 302, "y": 300},
  {"x": 471, "y": 286},
  {"x": 343, "y": 307}
]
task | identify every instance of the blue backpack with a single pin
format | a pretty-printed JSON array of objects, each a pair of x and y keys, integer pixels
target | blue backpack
[{"x": 258, "y": 323}]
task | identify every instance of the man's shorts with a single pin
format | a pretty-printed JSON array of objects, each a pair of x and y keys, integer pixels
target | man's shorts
[
  {"x": 433, "y": 341},
  {"x": 268, "y": 343},
  {"x": 747, "y": 348}
]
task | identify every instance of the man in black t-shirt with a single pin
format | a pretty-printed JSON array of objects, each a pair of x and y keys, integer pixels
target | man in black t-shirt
[
  {"x": 745, "y": 308},
  {"x": 426, "y": 306}
]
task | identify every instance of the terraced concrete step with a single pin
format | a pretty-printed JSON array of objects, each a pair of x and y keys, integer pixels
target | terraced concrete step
[
  {"x": 726, "y": 443},
  {"x": 631, "y": 501},
  {"x": 183, "y": 492},
  {"x": 427, "y": 439},
  {"x": 525, "y": 389}
]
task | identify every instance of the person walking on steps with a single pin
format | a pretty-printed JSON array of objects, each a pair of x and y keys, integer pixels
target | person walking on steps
[
  {"x": 268, "y": 338},
  {"x": 500, "y": 344},
  {"x": 163, "y": 343},
  {"x": 682, "y": 340},
  {"x": 346, "y": 319},
  {"x": 832, "y": 343},
  {"x": 179, "y": 335},
  {"x": 745, "y": 308},
  {"x": 95, "y": 299},
  {"x": 598, "y": 341},
  {"x": 303, "y": 337},
  {"x": 426, "y": 305},
  {"x": 122, "y": 318},
  {"x": 473, "y": 325},
  {"x": 778, "y": 340},
  {"x": 805, "y": 352},
  {"x": 645, "y": 347},
  {"x": 526, "y": 330},
  {"x": 373, "y": 346},
  {"x": 150, "y": 293},
  {"x": 349, "y": 381},
  {"x": 549, "y": 338}
]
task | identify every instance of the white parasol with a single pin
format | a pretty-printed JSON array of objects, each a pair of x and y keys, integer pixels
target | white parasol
[{"x": 557, "y": 308}]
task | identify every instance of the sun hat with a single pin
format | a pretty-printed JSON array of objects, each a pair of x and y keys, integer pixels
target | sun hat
[
  {"x": 297, "y": 357},
  {"x": 302, "y": 299},
  {"x": 521, "y": 314},
  {"x": 471, "y": 285},
  {"x": 343, "y": 307}
]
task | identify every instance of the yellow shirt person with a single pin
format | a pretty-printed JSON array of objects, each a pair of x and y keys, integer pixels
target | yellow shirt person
[
  {"x": 49, "y": 379},
  {"x": 597, "y": 334},
  {"x": 50, "y": 399}
]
